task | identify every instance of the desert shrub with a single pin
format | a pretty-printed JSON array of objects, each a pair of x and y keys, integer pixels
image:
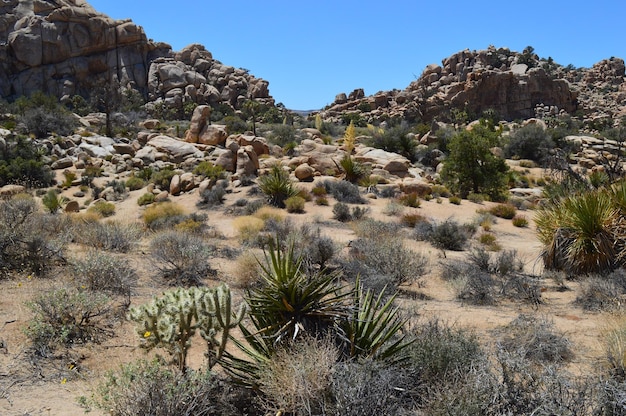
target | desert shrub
[
  {"x": 395, "y": 139},
  {"x": 295, "y": 204},
  {"x": 535, "y": 339},
  {"x": 489, "y": 240},
  {"x": 505, "y": 211},
  {"x": 277, "y": 186},
  {"x": 475, "y": 198},
  {"x": 410, "y": 200},
  {"x": 455, "y": 200},
  {"x": 383, "y": 256},
  {"x": 393, "y": 208},
  {"x": 247, "y": 271},
  {"x": 319, "y": 190},
  {"x": 42, "y": 122},
  {"x": 22, "y": 162},
  {"x": 111, "y": 235},
  {"x": 103, "y": 208},
  {"x": 102, "y": 272},
  {"x": 353, "y": 170},
  {"x": 476, "y": 287},
  {"x": 297, "y": 378},
  {"x": 181, "y": 258},
  {"x": 341, "y": 212},
  {"x": 134, "y": 183},
  {"x": 441, "y": 353},
  {"x": 520, "y": 221},
  {"x": 146, "y": 199},
  {"x": 162, "y": 178},
  {"x": 369, "y": 388},
  {"x": 321, "y": 200},
  {"x": 64, "y": 317},
  {"x": 52, "y": 201},
  {"x": 27, "y": 243},
  {"x": 412, "y": 219},
  {"x": 597, "y": 293},
  {"x": 209, "y": 170},
  {"x": 248, "y": 228},
  {"x": 343, "y": 191},
  {"x": 267, "y": 213},
  {"x": 368, "y": 228},
  {"x": 158, "y": 214},
  {"x": 526, "y": 163},
  {"x": 211, "y": 197},
  {"x": 448, "y": 235},
  {"x": 149, "y": 388},
  {"x": 318, "y": 250},
  {"x": 529, "y": 142}
]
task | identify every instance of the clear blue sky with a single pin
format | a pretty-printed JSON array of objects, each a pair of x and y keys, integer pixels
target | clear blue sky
[{"x": 310, "y": 51}]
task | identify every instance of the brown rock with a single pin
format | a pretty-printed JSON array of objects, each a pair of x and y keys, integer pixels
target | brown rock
[{"x": 304, "y": 172}]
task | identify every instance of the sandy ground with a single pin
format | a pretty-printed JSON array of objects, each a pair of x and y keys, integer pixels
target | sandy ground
[{"x": 31, "y": 388}]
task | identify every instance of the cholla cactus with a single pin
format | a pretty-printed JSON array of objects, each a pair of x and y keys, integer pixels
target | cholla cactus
[{"x": 170, "y": 321}]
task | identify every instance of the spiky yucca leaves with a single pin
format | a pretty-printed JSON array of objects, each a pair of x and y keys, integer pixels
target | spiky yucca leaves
[
  {"x": 291, "y": 301},
  {"x": 582, "y": 233},
  {"x": 372, "y": 329},
  {"x": 277, "y": 186},
  {"x": 170, "y": 321},
  {"x": 354, "y": 171}
]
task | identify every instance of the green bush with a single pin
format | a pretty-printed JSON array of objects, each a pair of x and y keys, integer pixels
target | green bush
[
  {"x": 506, "y": 211},
  {"x": 448, "y": 235},
  {"x": 209, "y": 170},
  {"x": 454, "y": 200},
  {"x": 146, "y": 199},
  {"x": 105, "y": 209},
  {"x": 162, "y": 178},
  {"x": 41, "y": 122},
  {"x": 21, "y": 162},
  {"x": 295, "y": 204},
  {"x": 52, "y": 201},
  {"x": 134, "y": 183},
  {"x": 529, "y": 142},
  {"x": 64, "y": 317}
]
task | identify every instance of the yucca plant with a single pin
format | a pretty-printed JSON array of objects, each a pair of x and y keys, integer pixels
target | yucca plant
[
  {"x": 373, "y": 327},
  {"x": 581, "y": 234},
  {"x": 277, "y": 186},
  {"x": 354, "y": 171}
]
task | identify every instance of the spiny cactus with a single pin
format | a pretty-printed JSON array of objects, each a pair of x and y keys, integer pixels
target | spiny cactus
[{"x": 170, "y": 321}]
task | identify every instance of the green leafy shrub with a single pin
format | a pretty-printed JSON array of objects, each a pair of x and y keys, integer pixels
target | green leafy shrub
[
  {"x": 64, "y": 317},
  {"x": 181, "y": 258},
  {"x": 146, "y": 199},
  {"x": 134, "y": 183},
  {"x": 155, "y": 215},
  {"x": 529, "y": 142},
  {"x": 21, "y": 162},
  {"x": 162, "y": 178},
  {"x": 277, "y": 186},
  {"x": 520, "y": 221},
  {"x": 43, "y": 122},
  {"x": 410, "y": 200},
  {"x": 295, "y": 204},
  {"x": 209, "y": 170},
  {"x": 506, "y": 211},
  {"x": 103, "y": 208}
]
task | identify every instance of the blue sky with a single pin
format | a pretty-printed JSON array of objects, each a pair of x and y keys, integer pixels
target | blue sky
[{"x": 311, "y": 51}]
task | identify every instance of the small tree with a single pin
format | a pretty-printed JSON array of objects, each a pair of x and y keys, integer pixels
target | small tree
[{"x": 472, "y": 167}]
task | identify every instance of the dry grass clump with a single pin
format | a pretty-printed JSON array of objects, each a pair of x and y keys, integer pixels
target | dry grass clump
[
  {"x": 156, "y": 214},
  {"x": 248, "y": 228},
  {"x": 296, "y": 379},
  {"x": 266, "y": 213},
  {"x": 247, "y": 270}
]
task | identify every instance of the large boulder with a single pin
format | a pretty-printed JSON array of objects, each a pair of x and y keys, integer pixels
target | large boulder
[{"x": 177, "y": 150}]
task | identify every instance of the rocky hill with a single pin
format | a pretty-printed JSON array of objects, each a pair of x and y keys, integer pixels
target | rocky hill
[
  {"x": 514, "y": 85},
  {"x": 65, "y": 47}
]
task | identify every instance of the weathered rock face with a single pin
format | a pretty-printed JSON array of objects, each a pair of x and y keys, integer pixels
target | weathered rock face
[
  {"x": 62, "y": 47},
  {"x": 514, "y": 85},
  {"x": 65, "y": 47}
]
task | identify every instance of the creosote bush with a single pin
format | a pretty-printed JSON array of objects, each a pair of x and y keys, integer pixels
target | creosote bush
[
  {"x": 64, "y": 317},
  {"x": 105, "y": 273},
  {"x": 182, "y": 259}
]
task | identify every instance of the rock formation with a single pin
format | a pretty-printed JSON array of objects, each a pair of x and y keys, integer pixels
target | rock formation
[
  {"x": 65, "y": 48},
  {"x": 513, "y": 85}
]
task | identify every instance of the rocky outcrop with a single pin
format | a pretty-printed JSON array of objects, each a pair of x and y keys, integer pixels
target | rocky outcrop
[
  {"x": 513, "y": 85},
  {"x": 65, "y": 48}
]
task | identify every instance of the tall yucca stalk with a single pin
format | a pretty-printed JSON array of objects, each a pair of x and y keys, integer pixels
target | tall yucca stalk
[{"x": 581, "y": 233}]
